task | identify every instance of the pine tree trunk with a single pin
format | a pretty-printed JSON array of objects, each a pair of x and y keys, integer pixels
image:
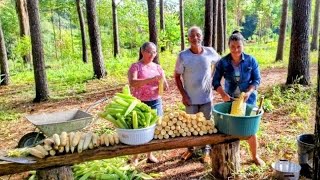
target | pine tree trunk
[
  {"x": 83, "y": 33},
  {"x": 162, "y": 25},
  {"x": 95, "y": 40},
  {"x": 4, "y": 67},
  {"x": 298, "y": 68},
  {"x": 316, "y": 155},
  {"x": 116, "y": 46},
  {"x": 315, "y": 33},
  {"x": 207, "y": 39},
  {"x": 282, "y": 34},
  {"x": 220, "y": 31},
  {"x": 42, "y": 92},
  {"x": 21, "y": 8},
  {"x": 181, "y": 12},
  {"x": 153, "y": 34},
  {"x": 214, "y": 23},
  {"x": 225, "y": 159},
  {"x": 224, "y": 10}
]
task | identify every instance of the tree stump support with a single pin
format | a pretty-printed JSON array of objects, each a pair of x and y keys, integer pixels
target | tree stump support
[
  {"x": 225, "y": 159},
  {"x": 57, "y": 173}
]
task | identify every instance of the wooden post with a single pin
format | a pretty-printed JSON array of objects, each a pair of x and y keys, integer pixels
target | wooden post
[
  {"x": 225, "y": 159},
  {"x": 58, "y": 173}
]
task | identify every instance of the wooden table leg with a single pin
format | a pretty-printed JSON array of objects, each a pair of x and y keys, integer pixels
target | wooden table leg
[
  {"x": 57, "y": 173},
  {"x": 225, "y": 159}
]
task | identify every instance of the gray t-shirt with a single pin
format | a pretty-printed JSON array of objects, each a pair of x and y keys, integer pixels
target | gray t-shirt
[{"x": 196, "y": 71}]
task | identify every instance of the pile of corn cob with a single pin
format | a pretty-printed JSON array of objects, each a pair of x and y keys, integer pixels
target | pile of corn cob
[
  {"x": 71, "y": 142},
  {"x": 127, "y": 112},
  {"x": 179, "y": 123}
]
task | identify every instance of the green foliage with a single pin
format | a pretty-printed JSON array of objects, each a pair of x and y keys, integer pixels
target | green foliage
[
  {"x": 295, "y": 99},
  {"x": 23, "y": 46},
  {"x": 267, "y": 105},
  {"x": 170, "y": 37},
  {"x": 10, "y": 27},
  {"x": 194, "y": 13},
  {"x": 116, "y": 168}
]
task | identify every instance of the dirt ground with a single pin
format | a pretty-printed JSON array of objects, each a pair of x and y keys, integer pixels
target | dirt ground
[{"x": 170, "y": 165}]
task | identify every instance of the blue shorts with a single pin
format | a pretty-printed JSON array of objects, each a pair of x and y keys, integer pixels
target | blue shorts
[{"x": 155, "y": 104}]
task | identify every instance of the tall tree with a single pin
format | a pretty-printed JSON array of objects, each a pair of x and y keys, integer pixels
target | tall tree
[
  {"x": 298, "y": 68},
  {"x": 224, "y": 21},
  {"x": 214, "y": 23},
  {"x": 4, "y": 68},
  {"x": 21, "y": 8},
  {"x": 207, "y": 40},
  {"x": 83, "y": 33},
  {"x": 220, "y": 30},
  {"x": 116, "y": 46},
  {"x": 282, "y": 33},
  {"x": 181, "y": 14},
  {"x": 316, "y": 155},
  {"x": 153, "y": 35},
  {"x": 162, "y": 25},
  {"x": 95, "y": 40},
  {"x": 42, "y": 92},
  {"x": 315, "y": 33}
]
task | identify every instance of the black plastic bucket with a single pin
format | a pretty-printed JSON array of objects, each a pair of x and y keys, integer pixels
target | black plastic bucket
[{"x": 305, "y": 147}]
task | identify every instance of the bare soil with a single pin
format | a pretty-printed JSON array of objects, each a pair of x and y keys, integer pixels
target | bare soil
[{"x": 170, "y": 166}]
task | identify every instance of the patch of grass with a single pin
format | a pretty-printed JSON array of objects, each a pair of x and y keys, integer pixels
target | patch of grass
[
  {"x": 7, "y": 114},
  {"x": 295, "y": 100}
]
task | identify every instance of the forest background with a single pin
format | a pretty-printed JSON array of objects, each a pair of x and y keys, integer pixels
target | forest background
[{"x": 70, "y": 78}]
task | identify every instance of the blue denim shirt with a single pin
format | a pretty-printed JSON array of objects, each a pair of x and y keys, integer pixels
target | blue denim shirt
[{"x": 249, "y": 75}]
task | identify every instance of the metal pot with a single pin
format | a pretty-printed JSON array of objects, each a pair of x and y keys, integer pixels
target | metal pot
[{"x": 286, "y": 170}]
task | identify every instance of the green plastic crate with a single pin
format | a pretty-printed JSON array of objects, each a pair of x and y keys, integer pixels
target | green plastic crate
[{"x": 235, "y": 125}]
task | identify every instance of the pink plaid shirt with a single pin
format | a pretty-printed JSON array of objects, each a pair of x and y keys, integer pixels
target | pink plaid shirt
[{"x": 149, "y": 91}]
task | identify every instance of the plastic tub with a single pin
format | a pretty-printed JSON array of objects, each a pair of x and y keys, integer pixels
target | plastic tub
[
  {"x": 136, "y": 136},
  {"x": 236, "y": 125}
]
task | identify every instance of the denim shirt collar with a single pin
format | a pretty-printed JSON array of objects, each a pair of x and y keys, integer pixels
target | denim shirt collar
[{"x": 229, "y": 57}]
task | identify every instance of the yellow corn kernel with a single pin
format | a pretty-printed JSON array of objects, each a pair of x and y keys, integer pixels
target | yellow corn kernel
[{"x": 238, "y": 107}]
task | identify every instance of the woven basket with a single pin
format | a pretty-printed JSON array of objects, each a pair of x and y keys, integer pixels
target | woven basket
[
  {"x": 136, "y": 136},
  {"x": 236, "y": 125}
]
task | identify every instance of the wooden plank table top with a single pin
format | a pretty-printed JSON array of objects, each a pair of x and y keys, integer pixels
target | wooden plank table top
[{"x": 115, "y": 151}]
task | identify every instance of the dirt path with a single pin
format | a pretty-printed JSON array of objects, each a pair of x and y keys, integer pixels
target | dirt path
[{"x": 170, "y": 165}]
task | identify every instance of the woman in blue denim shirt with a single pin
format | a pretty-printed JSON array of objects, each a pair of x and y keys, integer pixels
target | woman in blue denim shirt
[{"x": 241, "y": 73}]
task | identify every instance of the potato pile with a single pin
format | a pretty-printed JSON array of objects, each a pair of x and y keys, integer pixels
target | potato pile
[
  {"x": 71, "y": 142},
  {"x": 179, "y": 123}
]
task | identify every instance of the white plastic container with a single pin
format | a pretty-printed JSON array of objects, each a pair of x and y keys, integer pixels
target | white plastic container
[{"x": 136, "y": 136}]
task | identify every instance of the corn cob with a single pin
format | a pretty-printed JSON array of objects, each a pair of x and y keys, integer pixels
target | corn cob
[{"x": 238, "y": 107}]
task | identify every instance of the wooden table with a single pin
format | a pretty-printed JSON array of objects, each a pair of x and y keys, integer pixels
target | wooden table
[{"x": 221, "y": 145}]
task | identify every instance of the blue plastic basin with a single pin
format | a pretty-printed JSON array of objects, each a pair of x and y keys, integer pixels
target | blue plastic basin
[{"x": 235, "y": 125}]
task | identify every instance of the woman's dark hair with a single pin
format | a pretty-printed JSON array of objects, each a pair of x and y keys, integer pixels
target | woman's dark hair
[
  {"x": 144, "y": 47},
  {"x": 236, "y": 36}
]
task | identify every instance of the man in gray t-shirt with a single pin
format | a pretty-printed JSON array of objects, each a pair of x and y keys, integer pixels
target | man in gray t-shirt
[{"x": 193, "y": 75}]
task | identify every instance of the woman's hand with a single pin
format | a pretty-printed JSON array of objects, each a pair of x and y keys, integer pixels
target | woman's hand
[
  {"x": 246, "y": 96},
  {"x": 156, "y": 78},
  {"x": 226, "y": 97}
]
